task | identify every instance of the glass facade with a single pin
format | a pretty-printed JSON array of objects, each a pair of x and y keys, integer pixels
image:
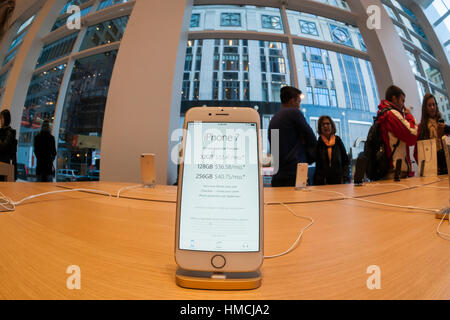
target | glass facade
[
  {"x": 316, "y": 27},
  {"x": 39, "y": 105},
  {"x": 104, "y": 33},
  {"x": 425, "y": 66},
  {"x": 237, "y": 68},
  {"x": 83, "y": 113},
  {"x": 57, "y": 49},
  {"x": 250, "y": 73},
  {"x": 81, "y": 100}
]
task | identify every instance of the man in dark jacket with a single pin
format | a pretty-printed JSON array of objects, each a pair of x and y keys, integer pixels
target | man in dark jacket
[
  {"x": 295, "y": 137},
  {"x": 45, "y": 151},
  {"x": 8, "y": 142}
]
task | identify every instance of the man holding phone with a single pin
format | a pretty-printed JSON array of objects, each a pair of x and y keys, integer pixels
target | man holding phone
[
  {"x": 295, "y": 137},
  {"x": 398, "y": 129}
]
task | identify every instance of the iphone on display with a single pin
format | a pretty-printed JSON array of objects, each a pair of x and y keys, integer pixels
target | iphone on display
[
  {"x": 220, "y": 207},
  {"x": 148, "y": 169}
]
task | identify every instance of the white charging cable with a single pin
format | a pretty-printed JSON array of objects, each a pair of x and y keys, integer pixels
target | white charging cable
[
  {"x": 128, "y": 188},
  {"x": 294, "y": 245},
  {"x": 9, "y": 205},
  {"x": 442, "y": 235}
]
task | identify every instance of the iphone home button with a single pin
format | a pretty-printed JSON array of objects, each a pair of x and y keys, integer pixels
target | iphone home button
[{"x": 218, "y": 261}]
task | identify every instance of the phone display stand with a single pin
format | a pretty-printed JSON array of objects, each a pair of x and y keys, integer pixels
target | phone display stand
[{"x": 218, "y": 281}]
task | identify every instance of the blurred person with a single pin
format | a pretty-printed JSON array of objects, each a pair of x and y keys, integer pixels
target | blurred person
[
  {"x": 45, "y": 152},
  {"x": 432, "y": 126},
  {"x": 296, "y": 137},
  {"x": 331, "y": 157},
  {"x": 398, "y": 130},
  {"x": 8, "y": 142}
]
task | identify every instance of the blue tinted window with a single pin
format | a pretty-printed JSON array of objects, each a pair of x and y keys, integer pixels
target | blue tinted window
[
  {"x": 341, "y": 35},
  {"x": 57, "y": 49},
  {"x": 308, "y": 27},
  {"x": 108, "y": 3},
  {"x": 83, "y": 113},
  {"x": 9, "y": 57},
  {"x": 195, "y": 20},
  {"x": 230, "y": 19},
  {"x": 271, "y": 22},
  {"x": 39, "y": 105},
  {"x": 104, "y": 33}
]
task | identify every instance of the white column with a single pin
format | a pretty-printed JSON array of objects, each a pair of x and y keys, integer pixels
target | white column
[{"x": 144, "y": 97}]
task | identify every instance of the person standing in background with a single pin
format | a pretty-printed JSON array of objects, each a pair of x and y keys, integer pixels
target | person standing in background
[
  {"x": 331, "y": 157},
  {"x": 432, "y": 126},
  {"x": 8, "y": 142},
  {"x": 295, "y": 137},
  {"x": 45, "y": 151},
  {"x": 398, "y": 130}
]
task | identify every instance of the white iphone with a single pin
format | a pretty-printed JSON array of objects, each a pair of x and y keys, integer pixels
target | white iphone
[
  {"x": 148, "y": 169},
  {"x": 302, "y": 175},
  {"x": 220, "y": 205}
]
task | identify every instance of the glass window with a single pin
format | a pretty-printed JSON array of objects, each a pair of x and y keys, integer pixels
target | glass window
[
  {"x": 57, "y": 49},
  {"x": 322, "y": 97},
  {"x": 333, "y": 98},
  {"x": 25, "y": 25},
  {"x": 390, "y": 12},
  {"x": 16, "y": 41},
  {"x": 309, "y": 24},
  {"x": 308, "y": 27},
  {"x": 306, "y": 68},
  {"x": 309, "y": 96},
  {"x": 230, "y": 19},
  {"x": 433, "y": 75},
  {"x": 421, "y": 88},
  {"x": 108, "y": 3},
  {"x": 83, "y": 112},
  {"x": 318, "y": 70},
  {"x": 195, "y": 20},
  {"x": 3, "y": 78},
  {"x": 230, "y": 62},
  {"x": 341, "y": 35},
  {"x": 271, "y": 22},
  {"x": 9, "y": 57},
  {"x": 342, "y": 4},
  {"x": 242, "y": 17},
  {"x": 104, "y": 33},
  {"x": 72, "y": 3},
  {"x": 400, "y": 31},
  {"x": 39, "y": 105},
  {"x": 413, "y": 62}
]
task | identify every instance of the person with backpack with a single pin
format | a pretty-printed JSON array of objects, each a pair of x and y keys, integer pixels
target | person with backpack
[
  {"x": 396, "y": 127},
  {"x": 8, "y": 142}
]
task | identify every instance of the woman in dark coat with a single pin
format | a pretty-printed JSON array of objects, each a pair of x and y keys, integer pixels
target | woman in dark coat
[
  {"x": 331, "y": 158},
  {"x": 45, "y": 151},
  {"x": 8, "y": 142}
]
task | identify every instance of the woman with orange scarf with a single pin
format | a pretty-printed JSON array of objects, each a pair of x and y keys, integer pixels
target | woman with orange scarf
[{"x": 331, "y": 157}]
